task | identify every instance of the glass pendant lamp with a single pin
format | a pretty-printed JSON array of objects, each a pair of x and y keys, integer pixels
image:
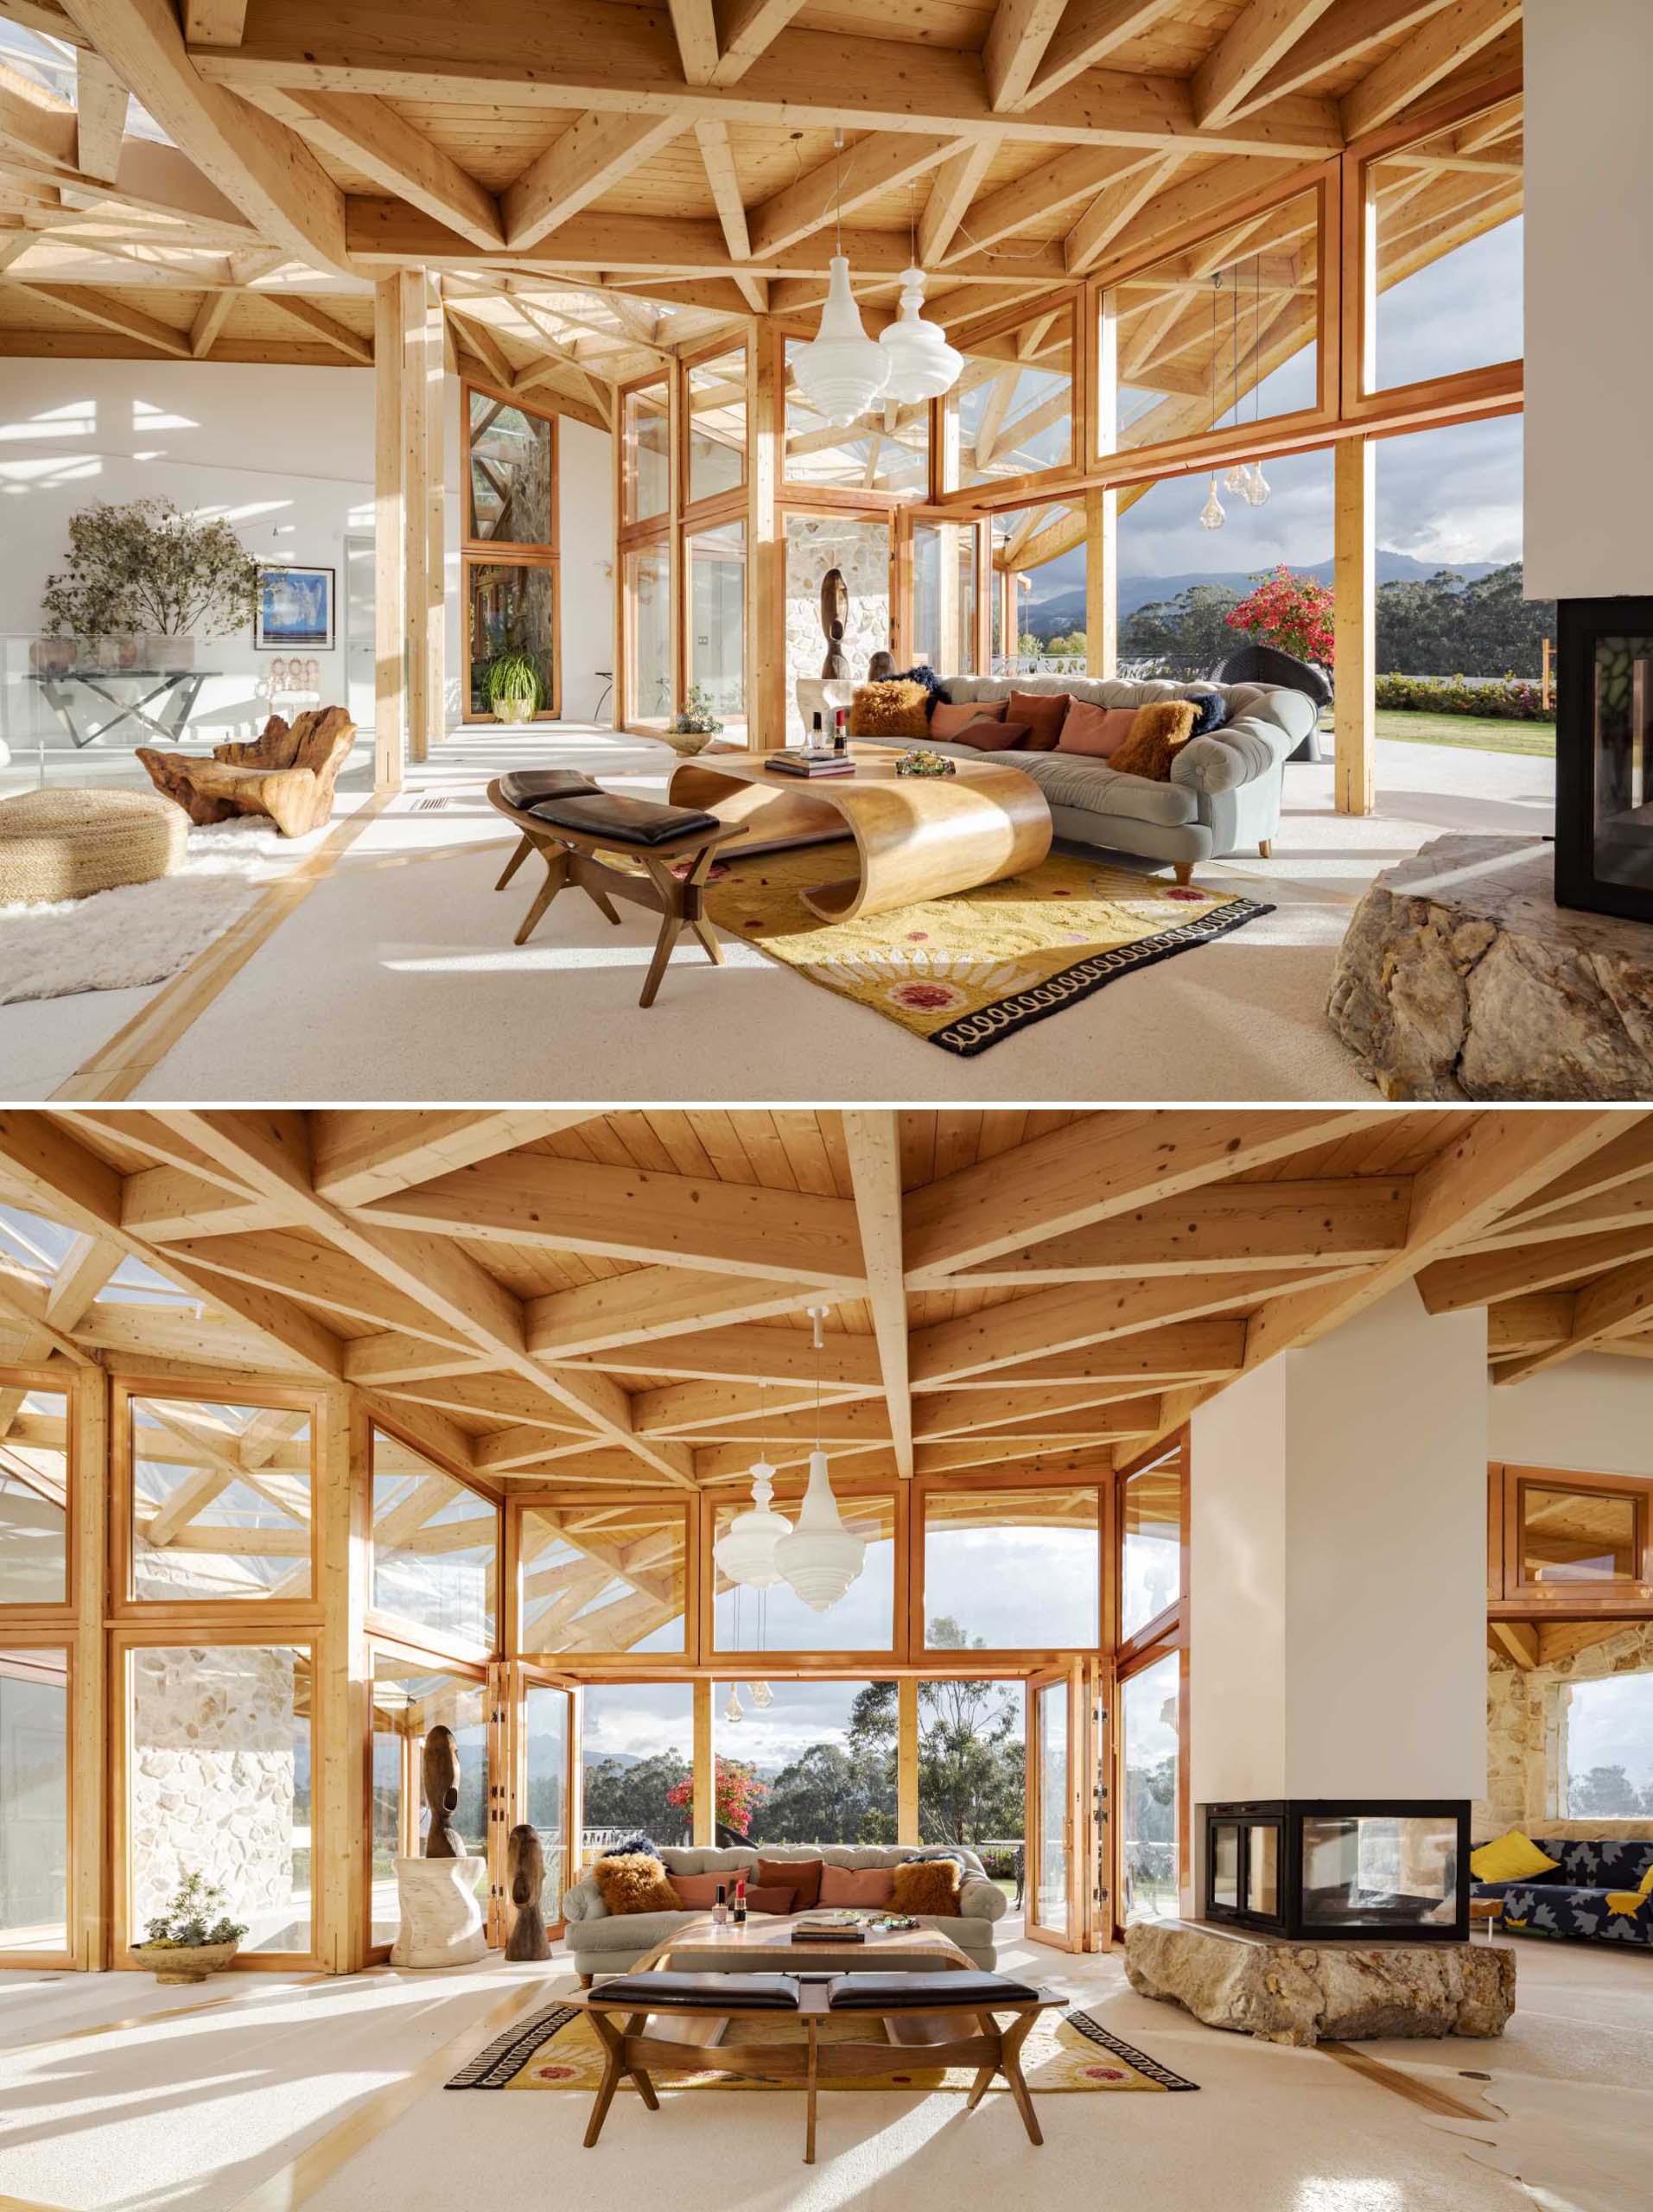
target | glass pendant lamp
[{"x": 1211, "y": 515}]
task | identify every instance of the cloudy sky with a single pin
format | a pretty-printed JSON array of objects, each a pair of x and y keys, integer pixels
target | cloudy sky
[{"x": 1443, "y": 496}]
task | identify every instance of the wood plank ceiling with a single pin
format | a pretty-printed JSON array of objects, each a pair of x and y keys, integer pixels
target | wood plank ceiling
[
  {"x": 599, "y": 183},
  {"x": 618, "y": 1298}
]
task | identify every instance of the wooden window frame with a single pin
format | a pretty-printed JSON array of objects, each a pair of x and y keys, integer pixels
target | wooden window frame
[
  {"x": 17, "y": 1636},
  {"x": 410, "y": 1634},
  {"x": 877, "y": 1664},
  {"x": 1016, "y": 491},
  {"x": 478, "y": 552},
  {"x": 1631, "y": 1598},
  {"x": 627, "y": 520},
  {"x": 564, "y": 1663},
  {"x": 471, "y": 539},
  {"x": 260, "y": 1636},
  {"x": 1166, "y": 1621},
  {"x": 204, "y": 1613},
  {"x": 731, "y": 501},
  {"x": 61, "y": 1613},
  {"x": 1015, "y": 1656}
]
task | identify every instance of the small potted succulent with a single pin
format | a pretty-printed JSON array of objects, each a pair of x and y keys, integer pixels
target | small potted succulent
[
  {"x": 194, "y": 1937},
  {"x": 697, "y": 723}
]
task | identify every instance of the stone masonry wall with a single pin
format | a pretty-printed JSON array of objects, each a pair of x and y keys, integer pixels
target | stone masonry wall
[
  {"x": 213, "y": 1778},
  {"x": 861, "y": 552},
  {"x": 1526, "y": 1734}
]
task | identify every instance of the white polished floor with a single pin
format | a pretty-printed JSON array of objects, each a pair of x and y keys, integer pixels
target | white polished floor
[{"x": 267, "y": 2093}]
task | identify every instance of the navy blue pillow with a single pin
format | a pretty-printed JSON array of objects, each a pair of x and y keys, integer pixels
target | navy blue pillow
[
  {"x": 925, "y": 675},
  {"x": 635, "y": 1846},
  {"x": 1213, "y": 712}
]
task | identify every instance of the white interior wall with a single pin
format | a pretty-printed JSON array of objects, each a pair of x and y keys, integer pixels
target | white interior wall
[
  {"x": 1339, "y": 1565},
  {"x": 1589, "y": 179},
  {"x": 284, "y": 453},
  {"x": 1594, "y": 1413}
]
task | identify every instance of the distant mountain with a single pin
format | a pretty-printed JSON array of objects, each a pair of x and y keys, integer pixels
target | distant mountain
[{"x": 1051, "y": 613}]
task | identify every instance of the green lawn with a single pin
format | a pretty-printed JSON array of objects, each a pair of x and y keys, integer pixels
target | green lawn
[{"x": 1482, "y": 733}]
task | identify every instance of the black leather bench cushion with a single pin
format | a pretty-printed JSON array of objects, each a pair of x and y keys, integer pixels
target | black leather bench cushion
[
  {"x": 653, "y": 1993},
  {"x": 924, "y": 1992},
  {"x": 524, "y": 785},
  {"x": 616, "y": 820}
]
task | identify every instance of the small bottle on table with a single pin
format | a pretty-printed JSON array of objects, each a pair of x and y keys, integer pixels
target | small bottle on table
[{"x": 719, "y": 1909}]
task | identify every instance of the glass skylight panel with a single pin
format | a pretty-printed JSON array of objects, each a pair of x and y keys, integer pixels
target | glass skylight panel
[{"x": 30, "y": 1242}]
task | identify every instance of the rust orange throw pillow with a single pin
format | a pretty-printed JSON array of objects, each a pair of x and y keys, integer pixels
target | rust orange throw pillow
[
  {"x": 635, "y": 1884},
  {"x": 894, "y": 709},
  {"x": 947, "y": 722},
  {"x": 770, "y": 1897},
  {"x": 1044, "y": 712},
  {"x": 802, "y": 1876},
  {"x": 869, "y": 1887},
  {"x": 1097, "y": 732},
  {"x": 993, "y": 737},
  {"x": 930, "y": 1885},
  {"x": 698, "y": 1892},
  {"x": 1158, "y": 728}
]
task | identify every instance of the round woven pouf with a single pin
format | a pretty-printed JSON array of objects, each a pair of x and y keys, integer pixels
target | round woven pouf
[{"x": 67, "y": 844}]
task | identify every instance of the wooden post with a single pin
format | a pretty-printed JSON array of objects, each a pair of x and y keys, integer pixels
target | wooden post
[
  {"x": 765, "y": 545},
  {"x": 1102, "y": 583},
  {"x": 906, "y": 1759},
  {"x": 423, "y": 553},
  {"x": 676, "y": 552},
  {"x": 947, "y": 638},
  {"x": 343, "y": 1707},
  {"x": 389, "y": 633},
  {"x": 705, "y": 1798},
  {"x": 1355, "y": 623},
  {"x": 89, "y": 1904},
  {"x": 1544, "y": 696}
]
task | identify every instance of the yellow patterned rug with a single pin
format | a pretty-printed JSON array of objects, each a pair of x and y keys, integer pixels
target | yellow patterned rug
[
  {"x": 558, "y": 2049},
  {"x": 968, "y": 970}
]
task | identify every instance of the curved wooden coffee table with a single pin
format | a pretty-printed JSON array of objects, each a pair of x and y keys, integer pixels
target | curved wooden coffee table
[{"x": 918, "y": 837}]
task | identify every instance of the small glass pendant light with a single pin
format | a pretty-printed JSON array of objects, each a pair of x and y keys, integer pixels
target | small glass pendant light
[
  {"x": 1238, "y": 479},
  {"x": 1211, "y": 515},
  {"x": 735, "y": 1711},
  {"x": 1258, "y": 489},
  {"x": 762, "y": 1696}
]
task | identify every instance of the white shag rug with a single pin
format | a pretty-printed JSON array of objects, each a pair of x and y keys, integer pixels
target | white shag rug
[{"x": 143, "y": 932}]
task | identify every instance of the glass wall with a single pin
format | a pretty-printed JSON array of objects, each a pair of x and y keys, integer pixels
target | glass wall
[
  {"x": 511, "y": 605},
  {"x": 1150, "y": 1566},
  {"x": 648, "y": 603},
  {"x": 604, "y": 1578},
  {"x": 777, "y": 1619},
  {"x": 717, "y": 620},
  {"x": 1040, "y": 556},
  {"x": 859, "y": 548},
  {"x": 512, "y": 475},
  {"x": 805, "y": 1762},
  {"x": 1050, "y": 1906},
  {"x": 637, "y": 1750},
  {"x": 436, "y": 1546},
  {"x": 1150, "y": 1743},
  {"x": 944, "y": 596},
  {"x": 887, "y": 450},
  {"x": 647, "y": 429},
  {"x": 1015, "y": 401},
  {"x": 34, "y": 1497},
  {"x": 717, "y": 424},
  {"x": 545, "y": 1778},
  {"x": 972, "y": 1771},
  {"x": 513, "y": 638},
  {"x": 218, "y": 1774},
  {"x": 1448, "y": 222},
  {"x": 220, "y": 1500},
  {"x": 1012, "y": 1572},
  {"x": 34, "y": 1800},
  {"x": 411, "y": 1697}
]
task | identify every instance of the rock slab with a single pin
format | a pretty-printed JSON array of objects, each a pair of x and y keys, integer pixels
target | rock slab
[
  {"x": 1304, "y": 1993},
  {"x": 1460, "y": 977}
]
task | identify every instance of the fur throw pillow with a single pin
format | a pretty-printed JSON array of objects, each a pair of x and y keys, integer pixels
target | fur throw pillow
[
  {"x": 1211, "y": 711},
  {"x": 1159, "y": 729},
  {"x": 895, "y": 709},
  {"x": 634, "y": 1883},
  {"x": 923, "y": 673},
  {"x": 931, "y": 1885}
]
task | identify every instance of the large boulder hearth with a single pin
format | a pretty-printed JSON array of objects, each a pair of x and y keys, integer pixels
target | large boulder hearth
[
  {"x": 1460, "y": 977},
  {"x": 1300, "y": 1992}
]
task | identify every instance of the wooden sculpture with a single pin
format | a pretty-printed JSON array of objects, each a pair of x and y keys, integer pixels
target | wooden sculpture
[
  {"x": 880, "y": 668},
  {"x": 526, "y": 1866},
  {"x": 287, "y": 773},
  {"x": 835, "y": 616},
  {"x": 439, "y": 1769}
]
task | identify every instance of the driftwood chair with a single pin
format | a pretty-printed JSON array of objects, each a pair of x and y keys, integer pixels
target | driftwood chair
[{"x": 287, "y": 773}]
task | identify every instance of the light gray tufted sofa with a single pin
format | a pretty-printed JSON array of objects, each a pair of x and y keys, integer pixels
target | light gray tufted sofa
[
  {"x": 1224, "y": 795},
  {"x": 606, "y": 1943}
]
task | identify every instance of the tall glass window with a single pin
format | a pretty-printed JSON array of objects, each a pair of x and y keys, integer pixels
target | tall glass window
[
  {"x": 1008, "y": 1572},
  {"x": 220, "y": 1500},
  {"x": 513, "y": 638},
  {"x": 34, "y": 1497},
  {"x": 1150, "y": 1578},
  {"x": 511, "y": 605},
  {"x": 637, "y": 1753},
  {"x": 648, "y": 593},
  {"x": 647, "y": 430},
  {"x": 805, "y": 1761},
  {"x": 858, "y": 546},
  {"x": 546, "y": 1778},
  {"x": 1015, "y": 401},
  {"x": 944, "y": 596},
  {"x": 717, "y": 614},
  {"x": 1054, "y": 1753},
  {"x": 887, "y": 450},
  {"x": 603, "y": 1578},
  {"x": 34, "y": 1800},
  {"x": 1151, "y": 1740},
  {"x": 1448, "y": 222},
  {"x": 717, "y": 424},
  {"x": 436, "y": 1546},
  {"x": 411, "y": 1697},
  {"x": 777, "y": 1619},
  {"x": 512, "y": 476}
]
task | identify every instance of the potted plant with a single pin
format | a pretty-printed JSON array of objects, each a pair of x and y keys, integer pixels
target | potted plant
[
  {"x": 193, "y": 1936},
  {"x": 146, "y": 580},
  {"x": 515, "y": 691},
  {"x": 697, "y": 723}
]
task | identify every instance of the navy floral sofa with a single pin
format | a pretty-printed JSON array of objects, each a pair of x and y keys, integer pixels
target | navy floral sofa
[{"x": 1572, "y": 1899}]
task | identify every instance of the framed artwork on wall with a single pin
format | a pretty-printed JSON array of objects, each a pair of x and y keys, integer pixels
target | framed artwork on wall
[{"x": 294, "y": 607}]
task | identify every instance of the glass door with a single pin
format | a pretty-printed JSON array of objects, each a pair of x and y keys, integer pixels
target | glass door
[
  {"x": 1150, "y": 1755},
  {"x": 1054, "y": 1732}
]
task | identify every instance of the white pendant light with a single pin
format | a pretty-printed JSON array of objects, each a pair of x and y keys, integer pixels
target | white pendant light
[
  {"x": 820, "y": 1558},
  {"x": 842, "y": 371},
  {"x": 922, "y": 364},
  {"x": 746, "y": 1550}
]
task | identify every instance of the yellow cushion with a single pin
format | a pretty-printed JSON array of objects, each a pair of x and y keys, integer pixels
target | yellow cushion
[
  {"x": 1631, "y": 1900},
  {"x": 1509, "y": 1857}
]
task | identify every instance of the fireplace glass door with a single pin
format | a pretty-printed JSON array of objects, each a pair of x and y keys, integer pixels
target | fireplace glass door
[
  {"x": 1604, "y": 743},
  {"x": 1378, "y": 1871}
]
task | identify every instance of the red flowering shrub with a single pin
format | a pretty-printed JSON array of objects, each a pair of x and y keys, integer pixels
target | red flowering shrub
[
  {"x": 740, "y": 1793},
  {"x": 1293, "y": 613}
]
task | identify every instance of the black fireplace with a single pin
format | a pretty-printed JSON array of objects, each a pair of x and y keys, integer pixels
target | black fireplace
[
  {"x": 1383, "y": 1868},
  {"x": 1603, "y": 756}
]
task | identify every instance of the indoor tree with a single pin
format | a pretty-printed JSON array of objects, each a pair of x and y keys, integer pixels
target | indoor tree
[{"x": 149, "y": 568}]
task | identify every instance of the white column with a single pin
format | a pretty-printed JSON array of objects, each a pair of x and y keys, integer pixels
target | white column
[{"x": 1338, "y": 1568}]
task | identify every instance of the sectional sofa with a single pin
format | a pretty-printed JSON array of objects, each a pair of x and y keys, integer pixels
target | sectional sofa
[
  {"x": 1572, "y": 1900},
  {"x": 606, "y": 1943},
  {"x": 1224, "y": 791}
]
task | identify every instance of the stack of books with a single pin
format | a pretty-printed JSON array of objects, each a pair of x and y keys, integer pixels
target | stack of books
[
  {"x": 843, "y": 1926},
  {"x": 810, "y": 760}
]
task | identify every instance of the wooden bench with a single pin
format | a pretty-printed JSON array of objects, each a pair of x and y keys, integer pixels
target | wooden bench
[{"x": 572, "y": 855}]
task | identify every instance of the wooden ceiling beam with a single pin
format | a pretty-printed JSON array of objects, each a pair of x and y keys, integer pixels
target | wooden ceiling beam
[
  {"x": 874, "y": 1142},
  {"x": 1616, "y": 1304},
  {"x": 590, "y": 157},
  {"x": 1113, "y": 210},
  {"x": 1351, "y": 30},
  {"x": 864, "y": 172},
  {"x": 712, "y": 136},
  {"x": 100, "y": 103},
  {"x": 328, "y": 328},
  {"x": 1016, "y": 40},
  {"x": 369, "y": 134},
  {"x": 316, "y": 1275},
  {"x": 748, "y": 1354},
  {"x": 1262, "y": 34},
  {"x": 952, "y": 187},
  {"x": 694, "y": 24},
  {"x": 745, "y": 30},
  {"x": 1484, "y": 1278},
  {"x": 1521, "y": 1325},
  {"x": 1435, "y": 49},
  {"x": 109, "y": 313},
  {"x": 1064, "y": 180},
  {"x": 1089, "y": 31},
  {"x": 655, "y": 1304},
  {"x": 1627, "y": 1160},
  {"x": 393, "y": 1358}
]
